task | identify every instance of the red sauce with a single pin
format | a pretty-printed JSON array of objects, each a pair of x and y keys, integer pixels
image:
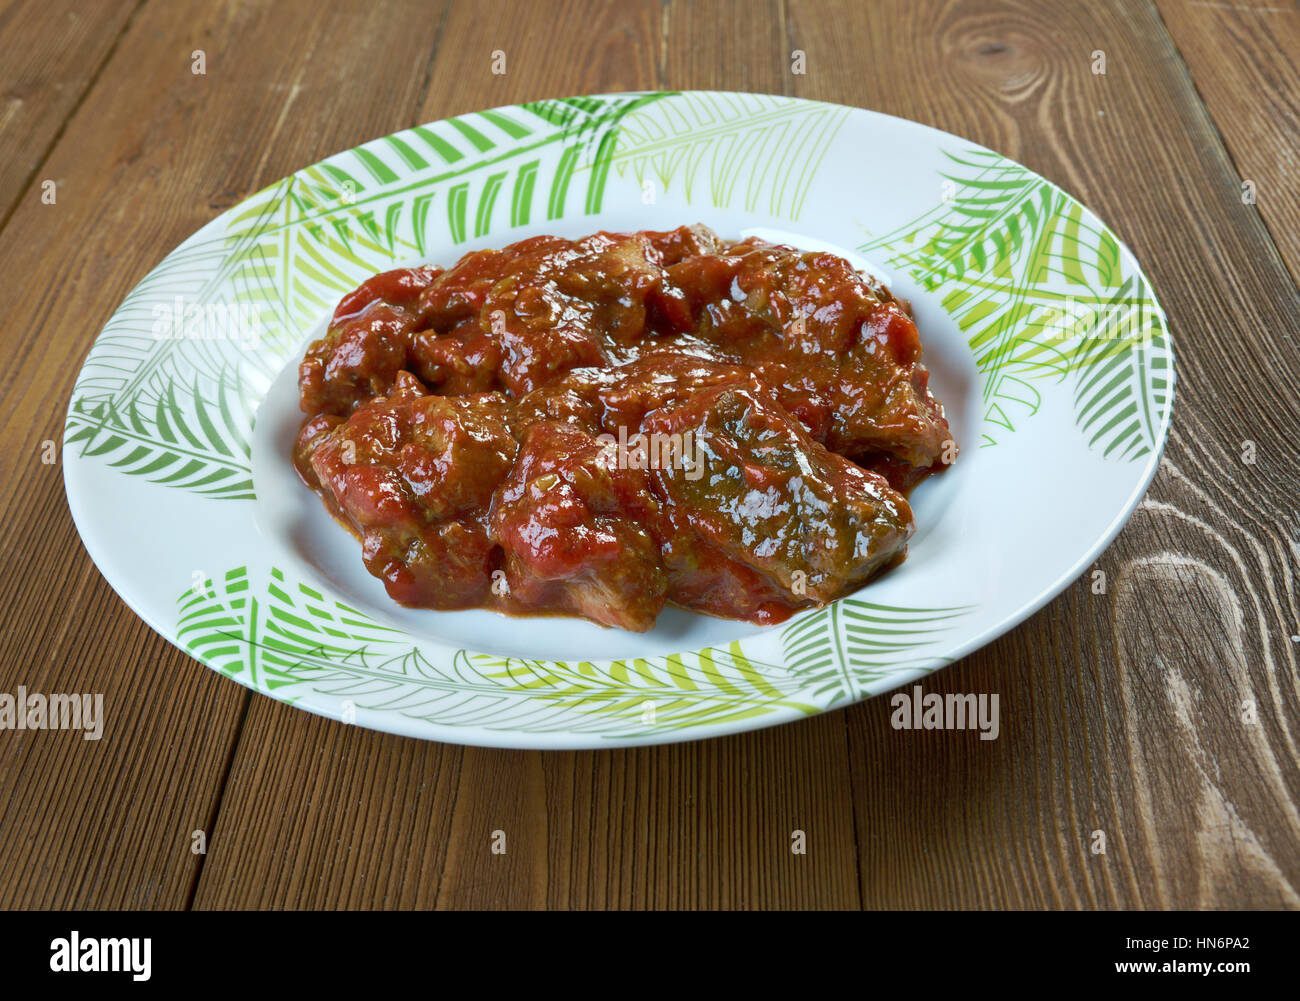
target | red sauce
[{"x": 599, "y": 427}]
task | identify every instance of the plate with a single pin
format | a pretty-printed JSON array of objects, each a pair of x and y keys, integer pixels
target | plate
[{"x": 1045, "y": 341}]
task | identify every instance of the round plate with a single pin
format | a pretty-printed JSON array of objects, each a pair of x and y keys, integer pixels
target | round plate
[{"x": 1046, "y": 345}]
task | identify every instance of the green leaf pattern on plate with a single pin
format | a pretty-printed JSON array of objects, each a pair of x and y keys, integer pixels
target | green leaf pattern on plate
[
  {"x": 749, "y": 151},
  {"x": 284, "y": 638},
  {"x": 838, "y": 651},
  {"x": 1040, "y": 292}
]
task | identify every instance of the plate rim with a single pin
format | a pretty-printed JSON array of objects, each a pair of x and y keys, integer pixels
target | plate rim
[{"x": 75, "y": 466}]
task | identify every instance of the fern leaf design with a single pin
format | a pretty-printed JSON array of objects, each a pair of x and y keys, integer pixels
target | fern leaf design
[
  {"x": 706, "y": 687},
  {"x": 1122, "y": 389},
  {"x": 841, "y": 651},
  {"x": 289, "y": 639},
  {"x": 176, "y": 410},
  {"x": 1034, "y": 282},
  {"x": 752, "y": 150}
]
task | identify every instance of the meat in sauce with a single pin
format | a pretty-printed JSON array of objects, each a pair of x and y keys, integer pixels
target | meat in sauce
[{"x": 600, "y": 427}]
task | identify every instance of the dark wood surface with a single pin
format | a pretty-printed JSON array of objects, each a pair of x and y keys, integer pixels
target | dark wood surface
[{"x": 1120, "y": 712}]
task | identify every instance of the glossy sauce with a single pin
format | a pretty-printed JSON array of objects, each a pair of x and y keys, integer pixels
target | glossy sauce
[{"x": 602, "y": 426}]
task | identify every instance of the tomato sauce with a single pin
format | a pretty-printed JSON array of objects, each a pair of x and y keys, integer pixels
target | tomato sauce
[{"x": 600, "y": 427}]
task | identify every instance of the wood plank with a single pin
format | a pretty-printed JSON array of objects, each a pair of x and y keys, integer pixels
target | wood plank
[
  {"x": 1121, "y": 712},
  {"x": 108, "y": 823},
  {"x": 730, "y": 45},
  {"x": 1244, "y": 58},
  {"x": 319, "y": 814},
  {"x": 52, "y": 51},
  {"x": 560, "y": 48},
  {"x": 681, "y": 826}
]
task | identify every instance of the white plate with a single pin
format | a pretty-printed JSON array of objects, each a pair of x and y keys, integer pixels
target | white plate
[{"x": 1045, "y": 343}]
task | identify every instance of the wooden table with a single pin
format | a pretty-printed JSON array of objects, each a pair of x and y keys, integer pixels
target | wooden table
[{"x": 1124, "y": 712}]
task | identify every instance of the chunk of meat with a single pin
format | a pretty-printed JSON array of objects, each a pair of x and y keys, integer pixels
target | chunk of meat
[
  {"x": 598, "y": 426},
  {"x": 809, "y": 523},
  {"x": 413, "y": 475},
  {"x": 675, "y": 245},
  {"x": 838, "y": 350},
  {"x": 459, "y": 363},
  {"x": 570, "y": 523},
  {"x": 571, "y": 305},
  {"x": 615, "y": 400},
  {"x": 657, "y": 380},
  {"x": 366, "y": 344},
  {"x": 461, "y": 292},
  {"x": 573, "y": 398}
]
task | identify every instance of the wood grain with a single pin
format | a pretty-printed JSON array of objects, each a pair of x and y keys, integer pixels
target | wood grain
[
  {"x": 1123, "y": 712},
  {"x": 52, "y": 52},
  {"x": 1244, "y": 58}
]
